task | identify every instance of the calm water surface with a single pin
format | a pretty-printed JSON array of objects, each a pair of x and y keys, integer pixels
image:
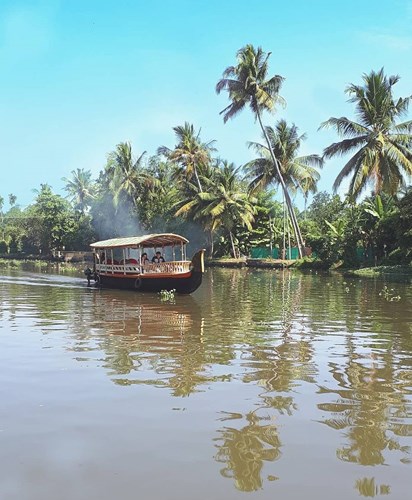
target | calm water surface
[{"x": 261, "y": 385}]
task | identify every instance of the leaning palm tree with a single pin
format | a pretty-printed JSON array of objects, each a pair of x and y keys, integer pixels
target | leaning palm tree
[
  {"x": 124, "y": 171},
  {"x": 380, "y": 147},
  {"x": 80, "y": 188},
  {"x": 247, "y": 83},
  {"x": 190, "y": 153}
]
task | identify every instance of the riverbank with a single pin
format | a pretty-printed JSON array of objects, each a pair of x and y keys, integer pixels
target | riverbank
[
  {"x": 40, "y": 264},
  {"x": 247, "y": 262},
  {"x": 244, "y": 262},
  {"x": 311, "y": 264}
]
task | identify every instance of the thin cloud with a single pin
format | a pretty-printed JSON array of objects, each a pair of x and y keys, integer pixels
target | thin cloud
[{"x": 389, "y": 41}]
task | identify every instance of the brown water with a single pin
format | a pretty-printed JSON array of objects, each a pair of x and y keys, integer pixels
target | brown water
[{"x": 261, "y": 385}]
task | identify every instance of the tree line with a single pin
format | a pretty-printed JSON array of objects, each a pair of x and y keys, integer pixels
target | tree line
[{"x": 188, "y": 188}]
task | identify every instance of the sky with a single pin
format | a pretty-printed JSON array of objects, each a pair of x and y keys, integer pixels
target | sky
[{"x": 80, "y": 76}]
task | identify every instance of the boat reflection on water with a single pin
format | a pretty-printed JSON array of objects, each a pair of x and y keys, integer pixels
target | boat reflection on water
[
  {"x": 149, "y": 341},
  {"x": 147, "y": 315}
]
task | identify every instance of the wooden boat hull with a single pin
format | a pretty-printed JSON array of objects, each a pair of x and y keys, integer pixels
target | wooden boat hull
[{"x": 183, "y": 283}]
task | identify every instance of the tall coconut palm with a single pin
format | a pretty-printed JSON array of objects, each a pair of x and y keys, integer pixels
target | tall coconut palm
[
  {"x": 190, "y": 153},
  {"x": 223, "y": 205},
  {"x": 248, "y": 84},
  {"x": 380, "y": 147},
  {"x": 80, "y": 188},
  {"x": 125, "y": 171}
]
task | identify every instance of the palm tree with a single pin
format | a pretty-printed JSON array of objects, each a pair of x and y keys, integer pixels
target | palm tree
[
  {"x": 190, "y": 152},
  {"x": 157, "y": 194},
  {"x": 381, "y": 146},
  {"x": 248, "y": 84},
  {"x": 223, "y": 205},
  {"x": 12, "y": 199},
  {"x": 298, "y": 172},
  {"x": 124, "y": 171},
  {"x": 80, "y": 188}
]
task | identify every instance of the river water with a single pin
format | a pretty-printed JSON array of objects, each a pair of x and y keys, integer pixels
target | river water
[{"x": 262, "y": 384}]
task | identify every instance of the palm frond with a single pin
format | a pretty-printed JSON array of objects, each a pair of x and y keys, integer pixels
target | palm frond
[
  {"x": 345, "y": 127},
  {"x": 353, "y": 165},
  {"x": 344, "y": 147}
]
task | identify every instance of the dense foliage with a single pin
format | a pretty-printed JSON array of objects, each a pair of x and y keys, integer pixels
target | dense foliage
[{"x": 188, "y": 189}]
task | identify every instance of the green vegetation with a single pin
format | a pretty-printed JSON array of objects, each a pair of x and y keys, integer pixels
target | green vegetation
[
  {"x": 389, "y": 294},
  {"x": 373, "y": 272},
  {"x": 167, "y": 295},
  {"x": 231, "y": 209}
]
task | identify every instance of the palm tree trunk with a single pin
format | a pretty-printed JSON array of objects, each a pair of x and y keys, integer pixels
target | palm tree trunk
[
  {"x": 292, "y": 215},
  {"x": 211, "y": 245},
  {"x": 289, "y": 248},
  {"x": 284, "y": 228},
  {"x": 197, "y": 178},
  {"x": 233, "y": 244},
  {"x": 271, "y": 236},
  {"x": 306, "y": 203}
]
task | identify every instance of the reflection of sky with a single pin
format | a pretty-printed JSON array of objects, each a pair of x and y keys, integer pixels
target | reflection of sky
[{"x": 105, "y": 72}]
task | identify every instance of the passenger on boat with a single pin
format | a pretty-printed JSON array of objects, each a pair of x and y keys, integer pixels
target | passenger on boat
[
  {"x": 158, "y": 258},
  {"x": 145, "y": 259}
]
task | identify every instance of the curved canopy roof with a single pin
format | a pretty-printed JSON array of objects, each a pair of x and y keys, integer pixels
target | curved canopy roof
[{"x": 147, "y": 240}]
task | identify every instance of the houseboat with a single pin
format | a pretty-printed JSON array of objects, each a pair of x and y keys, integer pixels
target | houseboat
[{"x": 148, "y": 263}]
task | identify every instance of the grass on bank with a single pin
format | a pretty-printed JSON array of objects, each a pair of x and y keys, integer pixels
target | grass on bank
[{"x": 373, "y": 272}]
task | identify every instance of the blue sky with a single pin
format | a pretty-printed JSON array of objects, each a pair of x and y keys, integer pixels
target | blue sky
[{"x": 79, "y": 76}]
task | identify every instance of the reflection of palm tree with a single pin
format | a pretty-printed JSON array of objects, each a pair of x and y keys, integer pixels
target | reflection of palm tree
[
  {"x": 244, "y": 451},
  {"x": 364, "y": 407},
  {"x": 368, "y": 488},
  {"x": 280, "y": 368}
]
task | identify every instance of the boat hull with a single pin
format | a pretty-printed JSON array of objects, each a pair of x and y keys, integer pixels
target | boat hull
[{"x": 184, "y": 284}]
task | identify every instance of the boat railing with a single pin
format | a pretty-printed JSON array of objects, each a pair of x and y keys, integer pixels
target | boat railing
[
  {"x": 118, "y": 268},
  {"x": 173, "y": 267}
]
